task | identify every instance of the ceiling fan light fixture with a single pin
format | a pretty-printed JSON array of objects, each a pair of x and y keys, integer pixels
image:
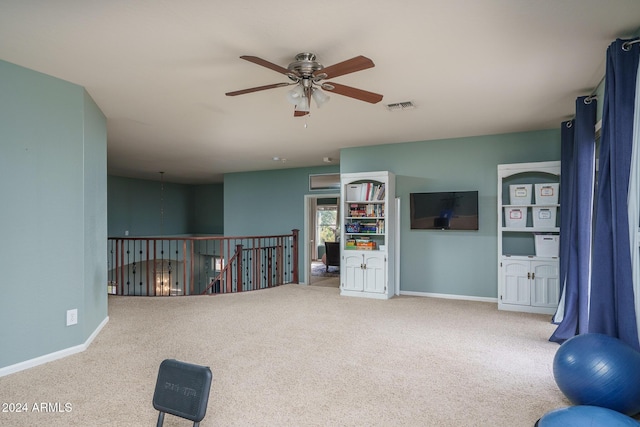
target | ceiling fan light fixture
[
  {"x": 295, "y": 95},
  {"x": 303, "y": 104},
  {"x": 320, "y": 97}
]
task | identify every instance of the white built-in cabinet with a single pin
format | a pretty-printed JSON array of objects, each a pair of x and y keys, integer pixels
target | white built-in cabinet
[
  {"x": 364, "y": 272},
  {"x": 528, "y": 237},
  {"x": 367, "y": 241},
  {"x": 530, "y": 283}
]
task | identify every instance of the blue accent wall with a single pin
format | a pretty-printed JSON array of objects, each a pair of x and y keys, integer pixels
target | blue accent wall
[
  {"x": 53, "y": 217},
  {"x": 95, "y": 217},
  {"x": 269, "y": 202},
  {"x": 135, "y": 206},
  {"x": 451, "y": 262},
  {"x": 207, "y": 209}
]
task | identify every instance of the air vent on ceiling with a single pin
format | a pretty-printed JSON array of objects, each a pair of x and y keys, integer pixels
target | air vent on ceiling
[{"x": 407, "y": 105}]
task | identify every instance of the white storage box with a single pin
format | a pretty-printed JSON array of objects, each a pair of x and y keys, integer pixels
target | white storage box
[
  {"x": 544, "y": 217},
  {"x": 515, "y": 217},
  {"x": 547, "y": 194},
  {"x": 547, "y": 245},
  {"x": 520, "y": 194},
  {"x": 354, "y": 192}
]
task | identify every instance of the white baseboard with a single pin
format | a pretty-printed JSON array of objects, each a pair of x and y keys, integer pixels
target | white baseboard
[
  {"x": 41, "y": 360},
  {"x": 449, "y": 296}
]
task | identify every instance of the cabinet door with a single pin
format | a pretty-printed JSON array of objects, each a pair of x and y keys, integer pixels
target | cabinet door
[
  {"x": 516, "y": 282},
  {"x": 353, "y": 277},
  {"x": 545, "y": 288},
  {"x": 374, "y": 273}
]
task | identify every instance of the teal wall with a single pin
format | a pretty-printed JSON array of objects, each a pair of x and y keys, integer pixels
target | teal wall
[
  {"x": 451, "y": 262},
  {"x": 135, "y": 206},
  {"x": 53, "y": 216},
  {"x": 95, "y": 217},
  {"x": 269, "y": 202},
  {"x": 207, "y": 212}
]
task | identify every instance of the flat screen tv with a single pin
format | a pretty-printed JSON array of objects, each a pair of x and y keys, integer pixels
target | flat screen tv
[{"x": 452, "y": 210}]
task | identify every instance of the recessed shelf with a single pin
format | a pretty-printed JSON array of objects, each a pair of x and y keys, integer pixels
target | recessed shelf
[{"x": 528, "y": 273}]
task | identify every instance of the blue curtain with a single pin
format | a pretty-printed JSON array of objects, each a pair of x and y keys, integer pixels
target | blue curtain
[
  {"x": 576, "y": 200},
  {"x": 566, "y": 183},
  {"x": 612, "y": 309}
]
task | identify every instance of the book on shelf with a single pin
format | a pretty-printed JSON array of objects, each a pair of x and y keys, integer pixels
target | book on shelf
[
  {"x": 366, "y": 191},
  {"x": 365, "y": 225},
  {"x": 379, "y": 192},
  {"x": 364, "y": 243},
  {"x": 360, "y": 243},
  {"x": 368, "y": 228},
  {"x": 358, "y": 210}
]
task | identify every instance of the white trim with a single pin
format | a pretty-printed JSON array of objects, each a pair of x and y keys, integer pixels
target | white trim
[
  {"x": 449, "y": 296},
  {"x": 397, "y": 248},
  {"x": 41, "y": 360},
  {"x": 360, "y": 294},
  {"x": 305, "y": 251},
  {"x": 308, "y": 241}
]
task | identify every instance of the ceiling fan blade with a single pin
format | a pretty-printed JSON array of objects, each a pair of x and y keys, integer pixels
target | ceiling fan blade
[
  {"x": 349, "y": 66},
  {"x": 256, "y": 89},
  {"x": 266, "y": 64},
  {"x": 352, "y": 92},
  {"x": 297, "y": 113}
]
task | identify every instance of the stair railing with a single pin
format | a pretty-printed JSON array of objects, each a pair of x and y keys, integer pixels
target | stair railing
[{"x": 172, "y": 266}]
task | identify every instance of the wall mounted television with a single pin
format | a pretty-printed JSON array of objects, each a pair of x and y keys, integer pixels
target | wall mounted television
[{"x": 453, "y": 210}]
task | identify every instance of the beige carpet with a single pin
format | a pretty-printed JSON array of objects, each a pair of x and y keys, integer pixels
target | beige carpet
[
  {"x": 304, "y": 356},
  {"x": 331, "y": 282}
]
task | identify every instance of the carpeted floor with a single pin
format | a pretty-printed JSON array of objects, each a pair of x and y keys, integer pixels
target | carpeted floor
[{"x": 300, "y": 355}]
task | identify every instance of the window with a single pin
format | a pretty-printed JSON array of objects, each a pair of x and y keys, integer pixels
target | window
[{"x": 326, "y": 224}]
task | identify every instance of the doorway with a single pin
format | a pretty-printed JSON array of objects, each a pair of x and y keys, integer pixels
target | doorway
[{"x": 322, "y": 224}]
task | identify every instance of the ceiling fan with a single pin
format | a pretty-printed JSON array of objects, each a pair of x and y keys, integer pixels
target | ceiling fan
[{"x": 309, "y": 77}]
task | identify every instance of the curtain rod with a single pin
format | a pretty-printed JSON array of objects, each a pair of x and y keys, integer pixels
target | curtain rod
[
  {"x": 627, "y": 45},
  {"x": 587, "y": 100}
]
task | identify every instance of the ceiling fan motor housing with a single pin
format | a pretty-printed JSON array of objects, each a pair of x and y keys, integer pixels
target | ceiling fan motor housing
[{"x": 305, "y": 65}]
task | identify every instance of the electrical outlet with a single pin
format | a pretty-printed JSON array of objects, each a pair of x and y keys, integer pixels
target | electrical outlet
[{"x": 72, "y": 317}]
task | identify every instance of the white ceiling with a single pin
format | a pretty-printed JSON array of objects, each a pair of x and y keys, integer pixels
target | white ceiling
[{"x": 159, "y": 70}]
